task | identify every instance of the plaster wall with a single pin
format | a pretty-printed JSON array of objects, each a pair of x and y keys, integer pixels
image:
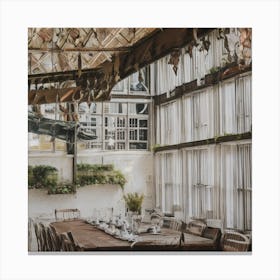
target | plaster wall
[{"x": 136, "y": 166}]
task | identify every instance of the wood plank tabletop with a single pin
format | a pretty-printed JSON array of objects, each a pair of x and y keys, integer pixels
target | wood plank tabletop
[{"x": 90, "y": 238}]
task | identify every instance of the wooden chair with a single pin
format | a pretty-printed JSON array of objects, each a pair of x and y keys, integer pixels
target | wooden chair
[
  {"x": 57, "y": 239},
  {"x": 52, "y": 241},
  {"x": 175, "y": 224},
  {"x": 38, "y": 233},
  {"x": 30, "y": 222},
  {"x": 71, "y": 238},
  {"x": 196, "y": 227},
  {"x": 213, "y": 234},
  {"x": 235, "y": 242},
  {"x": 171, "y": 222},
  {"x": 45, "y": 238},
  {"x": 66, "y": 243},
  {"x": 67, "y": 214}
]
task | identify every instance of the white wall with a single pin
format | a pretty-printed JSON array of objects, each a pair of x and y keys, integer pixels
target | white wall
[
  {"x": 86, "y": 199},
  {"x": 137, "y": 168}
]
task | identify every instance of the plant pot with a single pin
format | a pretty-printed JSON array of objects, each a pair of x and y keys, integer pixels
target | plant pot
[
  {"x": 231, "y": 71},
  {"x": 190, "y": 86},
  {"x": 178, "y": 90},
  {"x": 212, "y": 78}
]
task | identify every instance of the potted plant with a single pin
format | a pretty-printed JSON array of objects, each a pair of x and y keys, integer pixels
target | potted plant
[
  {"x": 134, "y": 202},
  {"x": 214, "y": 76}
]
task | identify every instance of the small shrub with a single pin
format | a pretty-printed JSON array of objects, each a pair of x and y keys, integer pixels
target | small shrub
[{"x": 44, "y": 176}]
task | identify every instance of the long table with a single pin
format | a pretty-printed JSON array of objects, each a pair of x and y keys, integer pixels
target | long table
[{"x": 91, "y": 238}]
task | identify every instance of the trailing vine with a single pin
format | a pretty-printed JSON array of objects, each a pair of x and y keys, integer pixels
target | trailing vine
[
  {"x": 89, "y": 174},
  {"x": 46, "y": 177}
]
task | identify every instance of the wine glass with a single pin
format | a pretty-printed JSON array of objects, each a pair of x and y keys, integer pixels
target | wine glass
[{"x": 155, "y": 220}]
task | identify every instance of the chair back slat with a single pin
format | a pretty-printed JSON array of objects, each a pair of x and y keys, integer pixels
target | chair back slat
[
  {"x": 235, "y": 242},
  {"x": 38, "y": 234},
  {"x": 66, "y": 243},
  {"x": 67, "y": 214}
]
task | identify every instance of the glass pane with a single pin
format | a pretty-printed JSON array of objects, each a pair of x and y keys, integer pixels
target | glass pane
[
  {"x": 143, "y": 123},
  {"x": 120, "y": 146},
  {"x": 137, "y": 146},
  {"x": 120, "y": 134},
  {"x": 142, "y": 108},
  {"x": 133, "y": 134},
  {"x": 120, "y": 122},
  {"x": 138, "y": 81},
  {"x": 138, "y": 108},
  {"x": 143, "y": 134},
  {"x": 133, "y": 122},
  {"x": 109, "y": 134},
  {"x": 119, "y": 86},
  {"x": 109, "y": 146},
  {"x": 115, "y": 108},
  {"x": 93, "y": 145}
]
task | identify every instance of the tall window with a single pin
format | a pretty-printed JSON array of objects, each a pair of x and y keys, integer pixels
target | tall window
[
  {"x": 237, "y": 185},
  {"x": 168, "y": 181},
  {"x": 136, "y": 83},
  {"x": 198, "y": 180},
  {"x": 244, "y": 103},
  {"x": 169, "y": 124},
  {"x": 118, "y": 126},
  {"x": 244, "y": 187}
]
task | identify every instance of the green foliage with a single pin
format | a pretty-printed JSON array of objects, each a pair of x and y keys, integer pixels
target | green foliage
[
  {"x": 89, "y": 174},
  {"x": 134, "y": 201},
  {"x": 62, "y": 189},
  {"x": 95, "y": 167},
  {"x": 42, "y": 176},
  {"x": 31, "y": 180},
  {"x": 214, "y": 70},
  {"x": 154, "y": 147}
]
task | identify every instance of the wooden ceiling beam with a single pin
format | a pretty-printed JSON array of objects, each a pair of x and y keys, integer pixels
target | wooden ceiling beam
[
  {"x": 78, "y": 49},
  {"x": 151, "y": 48}
]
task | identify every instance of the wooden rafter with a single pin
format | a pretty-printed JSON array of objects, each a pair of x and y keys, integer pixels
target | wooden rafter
[{"x": 144, "y": 52}]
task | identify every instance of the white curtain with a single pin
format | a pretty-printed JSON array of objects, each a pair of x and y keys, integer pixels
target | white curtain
[
  {"x": 190, "y": 68},
  {"x": 244, "y": 187},
  {"x": 208, "y": 182},
  {"x": 199, "y": 116},
  {"x": 187, "y": 119},
  {"x": 227, "y": 108},
  {"x": 244, "y": 103},
  {"x": 198, "y": 173},
  {"x": 236, "y": 185},
  {"x": 168, "y": 181},
  {"x": 169, "y": 123}
]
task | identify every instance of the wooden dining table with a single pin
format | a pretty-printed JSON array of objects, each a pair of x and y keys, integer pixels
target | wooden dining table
[{"x": 90, "y": 238}]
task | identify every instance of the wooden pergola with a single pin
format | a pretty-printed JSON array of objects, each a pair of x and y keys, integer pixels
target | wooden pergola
[{"x": 84, "y": 64}]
